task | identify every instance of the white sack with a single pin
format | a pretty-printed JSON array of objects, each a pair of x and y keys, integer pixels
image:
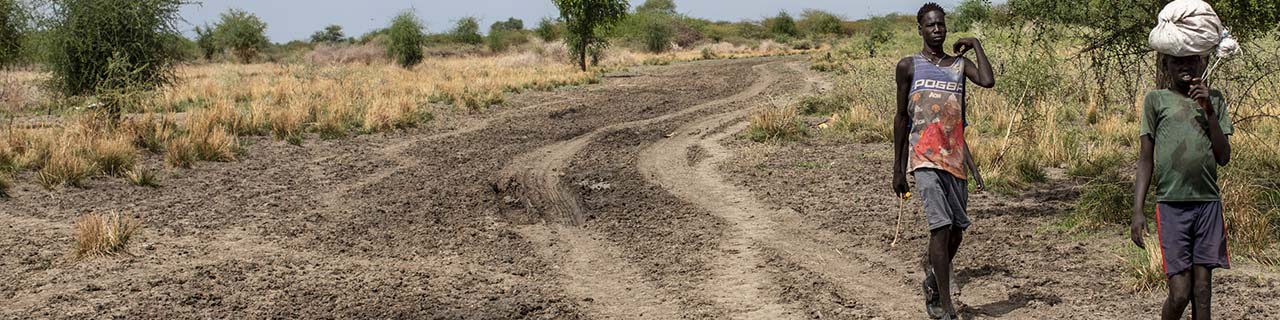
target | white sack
[{"x": 1187, "y": 28}]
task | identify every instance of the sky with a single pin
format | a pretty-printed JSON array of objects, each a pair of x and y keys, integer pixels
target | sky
[{"x": 297, "y": 19}]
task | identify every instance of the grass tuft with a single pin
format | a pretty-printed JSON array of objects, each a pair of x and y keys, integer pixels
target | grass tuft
[
  {"x": 100, "y": 235},
  {"x": 5, "y": 185},
  {"x": 178, "y": 153},
  {"x": 142, "y": 178},
  {"x": 1145, "y": 267},
  {"x": 65, "y": 167},
  {"x": 776, "y": 122},
  {"x": 114, "y": 155}
]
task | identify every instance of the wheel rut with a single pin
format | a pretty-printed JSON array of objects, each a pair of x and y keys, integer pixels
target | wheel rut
[
  {"x": 592, "y": 267},
  {"x": 741, "y": 283}
]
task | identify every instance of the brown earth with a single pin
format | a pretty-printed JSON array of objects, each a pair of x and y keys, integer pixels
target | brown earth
[{"x": 632, "y": 198}]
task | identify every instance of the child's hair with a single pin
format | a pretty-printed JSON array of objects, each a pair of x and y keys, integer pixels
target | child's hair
[
  {"x": 1164, "y": 78},
  {"x": 926, "y": 8}
]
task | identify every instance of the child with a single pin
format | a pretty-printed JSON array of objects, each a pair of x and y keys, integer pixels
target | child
[{"x": 1184, "y": 138}]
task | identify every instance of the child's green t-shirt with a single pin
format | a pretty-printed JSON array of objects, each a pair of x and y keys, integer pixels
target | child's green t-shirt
[{"x": 1184, "y": 164}]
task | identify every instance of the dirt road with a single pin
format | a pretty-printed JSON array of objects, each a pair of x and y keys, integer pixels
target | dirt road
[{"x": 629, "y": 199}]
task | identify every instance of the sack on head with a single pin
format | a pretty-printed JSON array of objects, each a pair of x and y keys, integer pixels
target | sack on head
[{"x": 1187, "y": 28}]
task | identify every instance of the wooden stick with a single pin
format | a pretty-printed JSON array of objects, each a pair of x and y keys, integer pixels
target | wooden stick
[{"x": 902, "y": 207}]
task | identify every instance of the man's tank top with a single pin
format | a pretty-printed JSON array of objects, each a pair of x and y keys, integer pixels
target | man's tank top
[{"x": 937, "y": 117}]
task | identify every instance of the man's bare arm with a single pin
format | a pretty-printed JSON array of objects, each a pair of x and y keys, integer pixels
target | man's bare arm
[
  {"x": 901, "y": 120},
  {"x": 973, "y": 169},
  {"x": 980, "y": 73}
]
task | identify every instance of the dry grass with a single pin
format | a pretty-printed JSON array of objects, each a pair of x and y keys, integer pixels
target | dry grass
[
  {"x": 366, "y": 54},
  {"x": 179, "y": 153},
  {"x": 142, "y": 178},
  {"x": 779, "y": 121},
  {"x": 1030, "y": 124},
  {"x": 341, "y": 90},
  {"x": 114, "y": 155},
  {"x": 99, "y": 235},
  {"x": 66, "y": 165},
  {"x": 5, "y": 185},
  {"x": 1146, "y": 267}
]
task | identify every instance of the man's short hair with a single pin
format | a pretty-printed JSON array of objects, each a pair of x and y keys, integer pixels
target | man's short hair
[{"x": 926, "y": 8}]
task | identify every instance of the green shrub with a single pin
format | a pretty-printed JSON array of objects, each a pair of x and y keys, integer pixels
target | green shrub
[
  {"x": 819, "y": 23},
  {"x": 548, "y": 30},
  {"x": 467, "y": 30},
  {"x": 331, "y": 34},
  {"x": 968, "y": 13},
  {"x": 586, "y": 23},
  {"x": 206, "y": 42},
  {"x": 88, "y": 35},
  {"x": 405, "y": 35},
  {"x": 655, "y": 32},
  {"x": 243, "y": 33},
  {"x": 662, "y": 7},
  {"x": 782, "y": 25},
  {"x": 504, "y": 34},
  {"x": 1104, "y": 202},
  {"x": 820, "y": 105},
  {"x": 881, "y": 31},
  {"x": 12, "y": 22}
]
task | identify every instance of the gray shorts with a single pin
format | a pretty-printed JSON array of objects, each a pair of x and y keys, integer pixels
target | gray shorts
[
  {"x": 1192, "y": 233},
  {"x": 945, "y": 198}
]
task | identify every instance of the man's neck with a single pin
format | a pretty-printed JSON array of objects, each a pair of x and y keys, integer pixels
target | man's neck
[{"x": 934, "y": 52}]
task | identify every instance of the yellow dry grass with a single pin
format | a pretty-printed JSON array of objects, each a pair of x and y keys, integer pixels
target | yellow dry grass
[
  {"x": 1146, "y": 267},
  {"x": 201, "y": 117},
  {"x": 99, "y": 235}
]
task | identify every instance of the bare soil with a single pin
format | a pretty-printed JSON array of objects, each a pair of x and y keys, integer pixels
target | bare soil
[{"x": 632, "y": 198}]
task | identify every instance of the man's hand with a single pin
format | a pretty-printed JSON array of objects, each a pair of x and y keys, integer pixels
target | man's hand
[
  {"x": 900, "y": 186},
  {"x": 1139, "y": 229},
  {"x": 977, "y": 182},
  {"x": 963, "y": 46},
  {"x": 1200, "y": 93}
]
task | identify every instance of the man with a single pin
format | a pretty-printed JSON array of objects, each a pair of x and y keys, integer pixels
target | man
[
  {"x": 929, "y": 143},
  {"x": 1184, "y": 138}
]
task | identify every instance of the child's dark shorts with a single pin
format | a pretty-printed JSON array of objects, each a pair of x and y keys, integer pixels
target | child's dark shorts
[
  {"x": 945, "y": 198},
  {"x": 1192, "y": 233}
]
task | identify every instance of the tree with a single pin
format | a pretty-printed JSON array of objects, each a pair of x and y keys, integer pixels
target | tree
[
  {"x": 406, "y": 36},
  {"x": 548, "y": 30},
  {"x": 12, "y": 23},
  {"x": 970, "y": 12},
  {"x": 655, "y": 31},
  {"x": 818, "y": 22},
  {"x": 331, "y": 34},
  {"x": 241, "y": 32},
  {"x": 467, "y": 30},
  {"x": 585, "y": 21},
  {"x": 512, "y": 24},
  {"x": 206, "y": 42},
  {"x": 662, "y": 7},
  {"x": 104, "y": 46},
  {"x": 783, "y": 24},
  {"x": 503, "y": 34},
  {"x": 881, "y": 31}
]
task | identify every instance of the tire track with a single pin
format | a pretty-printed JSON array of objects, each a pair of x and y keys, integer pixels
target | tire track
[
  {"x": 739, "y": 282},
  {"x": 532, "y": 181},
  {"x": 594, "y": 269}
]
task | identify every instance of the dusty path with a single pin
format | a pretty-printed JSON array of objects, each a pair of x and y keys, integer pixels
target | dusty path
[
  {"x": 739, "y": 281},
  {"x": 399, "y": 225}
]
